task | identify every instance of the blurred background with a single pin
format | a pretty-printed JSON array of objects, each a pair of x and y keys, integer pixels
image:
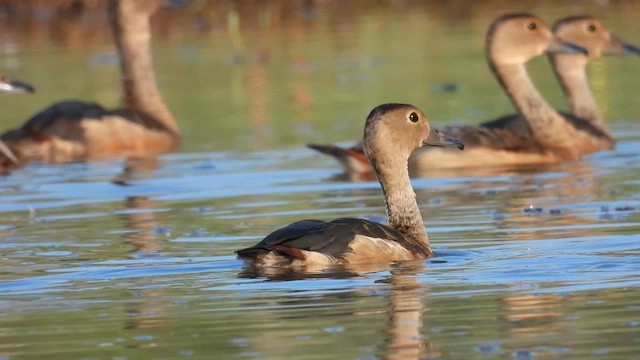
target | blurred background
[
  {"x": 110, "y": 261},
  {"x": 253, "y": 75}
]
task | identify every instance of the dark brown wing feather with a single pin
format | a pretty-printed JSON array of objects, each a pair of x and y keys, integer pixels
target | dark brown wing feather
[
  {"x": 330, "y": 238},
  {"x": 581, "y": 124},
  {"x": 516, "y": 125},
  {"x": 494, "y": 138},
  {"x": 72, "y": 112}
]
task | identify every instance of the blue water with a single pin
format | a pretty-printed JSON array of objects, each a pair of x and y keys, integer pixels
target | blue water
[{"x": 134, "y": 260}]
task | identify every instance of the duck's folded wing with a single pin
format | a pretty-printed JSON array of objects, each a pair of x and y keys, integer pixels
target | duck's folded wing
[
  {"x": 509, "y": 133},
  {"x": 330, "y": 238}
]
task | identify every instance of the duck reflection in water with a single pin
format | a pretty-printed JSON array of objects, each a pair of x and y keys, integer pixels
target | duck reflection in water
[
  {"x": 83, "y": 131},
  {"x": 401, "y": 336},
  {"x": 150, "y": 310}
]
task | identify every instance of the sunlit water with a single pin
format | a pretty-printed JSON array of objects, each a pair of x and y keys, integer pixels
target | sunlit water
[{"x": 135, "y": 261}]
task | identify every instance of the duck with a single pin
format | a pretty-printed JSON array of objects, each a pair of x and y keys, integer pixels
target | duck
[
  {"x": 591, "y": 34},
  {"x": 542, "y": 135},
  {"x": 392, "y": 133},
  {"x": 73, "y": 130},
  {"x": 570, "y": 69},
  {"x": 9, "y": 85}
]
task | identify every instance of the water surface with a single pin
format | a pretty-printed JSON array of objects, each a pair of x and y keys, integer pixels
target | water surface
[{"x": 134, "y": 260}]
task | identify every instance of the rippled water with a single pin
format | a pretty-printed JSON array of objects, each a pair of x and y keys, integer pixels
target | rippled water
[{"x": 135, "y": 260}]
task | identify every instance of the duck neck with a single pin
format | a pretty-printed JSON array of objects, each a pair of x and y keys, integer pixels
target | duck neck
[
  {"x": 132, "y": 34},
  {"x": 571, "y": 71},
  {"x": 545, "y": 123},
  {"x": 402, "y": 208}
]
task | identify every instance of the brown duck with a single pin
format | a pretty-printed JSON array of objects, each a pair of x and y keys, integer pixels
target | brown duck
[
  {"x": 537, "y": 134},
  {"x": 392, "y": 133},
  {"x": 83, "y": 131},
  {"x": 591, "y": 34}
]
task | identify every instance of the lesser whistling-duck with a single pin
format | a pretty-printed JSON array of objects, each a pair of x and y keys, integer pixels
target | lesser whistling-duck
[
  {"x": 570, "y": 69},
  {"x": 591, "y": 34},
  {"x": 82, "y": 131},
  {"x": 537, "y": 134},
  {"x": 392, "y": 133},
  {"x": 9, "y": 85}
]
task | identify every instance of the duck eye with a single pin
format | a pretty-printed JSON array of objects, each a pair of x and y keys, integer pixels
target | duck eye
[
  {"x": 414, "y": 118},
  {"x": 591, "y": 28},
  {"x": 532, "y": 26}
]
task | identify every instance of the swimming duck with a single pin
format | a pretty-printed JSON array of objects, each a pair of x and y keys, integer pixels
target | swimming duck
[
  {"x": 82, "y": 131},
  {"x": 9, "y": 85},
  {"x": 591, "y": 34},
  {"x": 511, "y": 41},
  {"x": 570, "y": 69},
  {"x": 392, "y": 133}
]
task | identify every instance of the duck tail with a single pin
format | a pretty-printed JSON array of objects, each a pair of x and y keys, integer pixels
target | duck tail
[{"x": 351, "y": 159}]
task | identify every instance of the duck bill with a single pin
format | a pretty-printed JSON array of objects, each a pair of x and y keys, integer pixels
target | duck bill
[
  {"x": 617, "y": 47},
  {"x": 17, "y": 87},
  {"x": 558, "y": 46},
  {"x": 440, "y": 139}
]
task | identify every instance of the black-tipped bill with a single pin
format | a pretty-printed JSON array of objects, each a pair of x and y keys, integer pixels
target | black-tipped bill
[
  {"x": 631, "y": 50},
  {"x": 16, "y": 86},
  {"x": 617, "y": 47},
  {"x": 438, "y": 138},
  {"x": 561, "y": 47}
]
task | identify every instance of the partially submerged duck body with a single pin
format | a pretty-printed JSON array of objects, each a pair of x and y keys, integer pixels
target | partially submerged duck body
[
  {"x": 73, "y": 131},
  {"x": 340, "y": 241},
  {"x": 392, "y": 133}
]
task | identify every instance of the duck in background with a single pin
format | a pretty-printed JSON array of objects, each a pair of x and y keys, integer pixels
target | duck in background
[
  {"x": 9, "y": 85},
  {"x": 536, "y": 135},
  {"x": 82, "y": 131},
  {"x": 392, "y": 133},
  {"x": 571, "y": 70}
]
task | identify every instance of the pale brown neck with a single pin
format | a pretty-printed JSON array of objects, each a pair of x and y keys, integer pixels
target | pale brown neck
[
  {"x": 402, "y": 208},
  {"x": 571, "y": 72},
  {"x": 132, "y": 34},
  {"x": 547, "y": 126}
]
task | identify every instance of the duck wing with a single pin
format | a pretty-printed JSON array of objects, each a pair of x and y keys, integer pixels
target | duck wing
[
  {"x": 66, "y": 117},
  {"x": 509, "y": 133},
  {"x": 330, "y": 238}
]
